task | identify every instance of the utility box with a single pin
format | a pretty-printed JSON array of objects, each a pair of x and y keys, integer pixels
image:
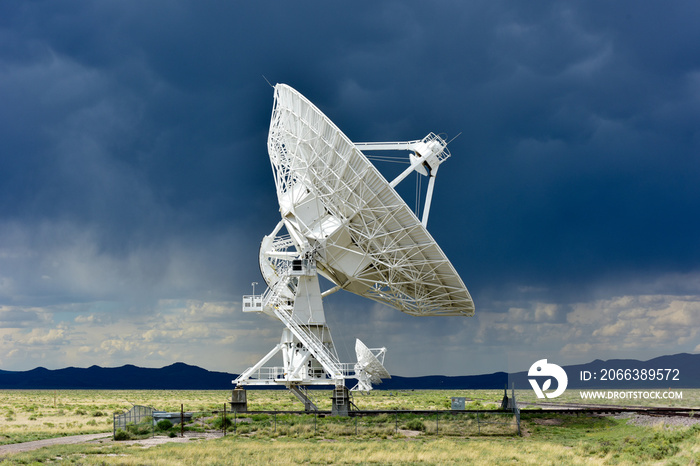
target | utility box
[
  {"x": 458, "y": 403},
  {"x": 252, "y": 303}
]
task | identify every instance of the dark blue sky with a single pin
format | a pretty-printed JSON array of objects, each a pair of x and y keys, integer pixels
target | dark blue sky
[{"x": 135, "y": 184}]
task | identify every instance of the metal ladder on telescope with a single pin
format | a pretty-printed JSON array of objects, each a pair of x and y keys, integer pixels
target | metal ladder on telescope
[{"x": 311, "y": 341}]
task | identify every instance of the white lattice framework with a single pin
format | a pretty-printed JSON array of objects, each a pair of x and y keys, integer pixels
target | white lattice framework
[{"x": 367, "y": 239}]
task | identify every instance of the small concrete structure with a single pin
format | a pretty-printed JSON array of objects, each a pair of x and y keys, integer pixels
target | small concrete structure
[
  {"x": 341, "y": 402},
  {"x": 239, "y": 401},
  {"x": 172, "y": 417}
]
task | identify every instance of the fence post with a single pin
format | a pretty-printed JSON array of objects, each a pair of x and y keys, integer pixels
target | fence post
[
  {"x": 315, "y": 423},
  {"x": 517, "y": 410},
  {"x": 437, "y": 422},
  {"x": 275, "y": 421},
  {"x": 223, "y": 423},
  {"x": 478, "y": 425},
  {"x": 182, "y": 420},
  {"x": 355, "y": 425},
  {"x": 235, "y": 421}
]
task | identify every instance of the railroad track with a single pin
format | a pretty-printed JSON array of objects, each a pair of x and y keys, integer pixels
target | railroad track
[{"x": 606, "y": 409}]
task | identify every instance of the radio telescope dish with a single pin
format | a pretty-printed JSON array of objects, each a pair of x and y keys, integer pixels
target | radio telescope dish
[
  {"x": 369, "y": 368},
  {"x": 368, "y": 241},
  {"x": 340, "y": 218}
]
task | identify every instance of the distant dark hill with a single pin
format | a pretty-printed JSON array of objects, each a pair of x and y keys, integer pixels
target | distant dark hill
[{"x": 180, "y": 376}]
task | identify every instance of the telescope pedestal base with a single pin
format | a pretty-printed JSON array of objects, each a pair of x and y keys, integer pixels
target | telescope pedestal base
[
  {"x": 340, "y": 401},
  {"x": 239, "y": 400}
]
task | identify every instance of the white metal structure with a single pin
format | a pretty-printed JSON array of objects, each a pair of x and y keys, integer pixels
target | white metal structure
[
  {"x": 369, "y": 368},
  {"x": 343, "y": 220}
]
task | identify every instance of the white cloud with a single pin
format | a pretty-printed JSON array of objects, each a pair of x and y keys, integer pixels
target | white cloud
[
  {"x": 43, "y": 338},
  {"x": 214, "y": 335}
]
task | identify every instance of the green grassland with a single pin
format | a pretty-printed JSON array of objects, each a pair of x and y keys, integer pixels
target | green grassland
[{"x": 385, "y": 439}]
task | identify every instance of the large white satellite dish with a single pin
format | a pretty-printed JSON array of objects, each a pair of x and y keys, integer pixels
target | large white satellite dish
[{"x": 343, "y": 220}]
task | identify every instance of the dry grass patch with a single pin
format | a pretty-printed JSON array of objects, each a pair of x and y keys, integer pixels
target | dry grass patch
[{"x": 230, "y": 451}]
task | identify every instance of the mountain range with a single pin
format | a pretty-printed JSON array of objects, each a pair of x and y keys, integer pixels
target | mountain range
[{"x": 684, "y": 367}]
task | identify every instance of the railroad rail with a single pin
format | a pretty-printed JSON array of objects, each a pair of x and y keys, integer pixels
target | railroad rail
[{"x": 545, "y": 407}]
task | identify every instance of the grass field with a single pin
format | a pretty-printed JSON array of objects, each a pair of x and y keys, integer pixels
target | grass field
[{"x": 548, "y": 438}]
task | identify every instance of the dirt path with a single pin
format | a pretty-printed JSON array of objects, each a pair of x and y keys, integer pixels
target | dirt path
[
  {"x": 146, "y": 443},
  {"x": 28, "y": 446}
]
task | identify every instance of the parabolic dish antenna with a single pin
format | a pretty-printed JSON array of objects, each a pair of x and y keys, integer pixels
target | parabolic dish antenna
[
  {"x": 342, "y": 219},
  {"x": 370, "y": 366}
]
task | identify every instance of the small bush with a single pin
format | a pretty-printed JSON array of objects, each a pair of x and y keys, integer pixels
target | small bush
[
  {"x": 218, "y": 423},
  {"x": 244, "y": 429},
  {"x": 122, "y": 435},
  {"x": 415, "y": 424},
  {"x": 139, "y": 430},
  {"x": 80, "y": 412},
  {"x": 164, "y": 424}
]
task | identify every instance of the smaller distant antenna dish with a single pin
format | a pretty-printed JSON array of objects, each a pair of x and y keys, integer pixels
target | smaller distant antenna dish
[{"x": 369, "y": 368}]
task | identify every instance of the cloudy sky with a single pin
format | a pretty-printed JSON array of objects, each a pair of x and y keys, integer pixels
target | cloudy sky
[{"x": 135, "y": 184}]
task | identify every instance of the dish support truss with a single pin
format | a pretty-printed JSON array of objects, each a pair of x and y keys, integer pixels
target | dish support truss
[{"x": 308, "y": 354}]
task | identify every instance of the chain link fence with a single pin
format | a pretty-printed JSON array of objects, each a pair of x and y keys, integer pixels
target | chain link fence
[{"x": 138, "y": 421}]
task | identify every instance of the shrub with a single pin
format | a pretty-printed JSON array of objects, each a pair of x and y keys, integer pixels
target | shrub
[
  {"x": 415, "y": 424},
  {"x": 164, "y": 424},
  {"x": 140, "y": 429},
  {"x": 219, "y": 423},
  {"x": 122, "y": 435}
]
